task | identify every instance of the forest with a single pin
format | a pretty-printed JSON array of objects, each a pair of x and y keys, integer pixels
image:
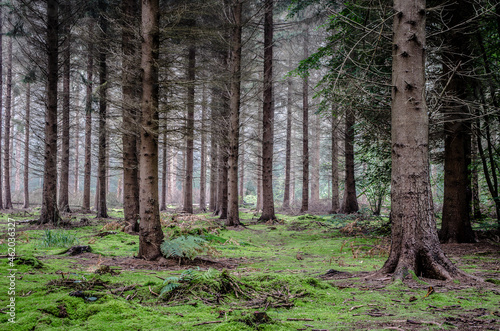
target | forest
[{"x": 249, "y": 165}]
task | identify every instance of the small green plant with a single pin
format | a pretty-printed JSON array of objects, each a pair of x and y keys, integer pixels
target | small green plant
[
  {"x": 184, "y": 247},
  {"x": 193, "y": 276},
  {"x": 57, "y": 239}
]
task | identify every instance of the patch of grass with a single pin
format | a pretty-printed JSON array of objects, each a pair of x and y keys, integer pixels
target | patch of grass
[{"x": 54, "y": 238}]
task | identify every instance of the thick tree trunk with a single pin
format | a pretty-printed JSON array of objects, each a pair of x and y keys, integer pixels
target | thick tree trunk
[
  {"x": 150, "y": 232},
  {"x": 203, "y": 153},
  {"x": 88, "y": 122},
  {"x": 268, "y": 118},
  {"x": 8, "y": 112},
  {"x": 305, "y": 132},
  {"x": 188, "y": 178},
  {"x": 233, "y": 218},
  {"x": 64, "y": 179},
  {"x": 27, "y": 147},
  {"x": 335, "y": 166},
  {"x": 456, "y": 227},
  {"x": 49, "y": 212},
  {"x": 315, "y": 161},
  {"x": 130, "y": 77},
  {"x": 415, "y": 244},
  {"x": 350, "y": 201},
  {"x": 288, "y": 148},
  {"x": 102, "y": 210}
]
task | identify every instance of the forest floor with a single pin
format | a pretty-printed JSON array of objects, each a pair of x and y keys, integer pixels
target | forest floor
[{"x": 303, "y": 273}]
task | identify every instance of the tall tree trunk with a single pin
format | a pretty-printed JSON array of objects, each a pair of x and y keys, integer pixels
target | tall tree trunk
[
  {"x": 8, "y": 115},
  {"x": 49, "y": 212},
  {"x": 305, "y": 132},
  {"x": 335, "y": 166},
  {"x": 475, "y": 181},
  {"x": 268, "y": 118},
  {"x": 64, "y": 179},
  {"x": 203, "y": 152},
  {"x": 27, "y": 147},
  {"x": 288, "y": 149},
  {"x": 456, "y": 226},
  {"x": 315, "y": 160},
  {"x": 258, "y": 175},
  {"x": 88, "y": 121},
  {"x": 214, "y": 159},
  {"x": 163, "y": 204},
  {"x": 241, "y": 185},
  {"x": 77, "y": 145},
  {"x": 102, "y": 210},
  {"x": 150, "y": 232},
  {"x": 350, "y": 201},
  {"x": 130, "y": 76},
  {"x": 188, "y": 179},
  {"x": 233, "y": 218},
  {"x": 415, "y": 244}
]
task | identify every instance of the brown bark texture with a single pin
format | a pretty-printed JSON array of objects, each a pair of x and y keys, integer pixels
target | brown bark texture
[
  {"x": 150, "y": 232},
  {"x": 130, "y": 76},
  {"x": 188, "y": 178},
  {"x": 66, "y": 67},
  {"x": 49, "y": 212},
  {"x": 233, "y": 218},
  {"x": 268, "y": 118},
  {"x": 350, "y": 201},
  {"x": 415, "y": 245}
]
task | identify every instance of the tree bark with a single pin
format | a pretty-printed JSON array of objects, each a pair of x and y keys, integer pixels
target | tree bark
[
  {"x": 130, "y": 76},
  {"x": 335, "y": 166},
  {"x": 188, "y": 179},
  {"x": 456, "y": 226},
  {"x": 27, "y": 147},
  {"x": 203, "y": 152},
  {"x": 315, "y": 161},
  {"x": 49, "y": 212},
  {"x": 233, "y": 218},
  {"x": 350, "y": 201},
  {"x": 8, "y": 112},
  {"x": 163, "y": 204},
  {"x": 213, "y": 164},
  {"x": 102, "y": 210},
  {"x": 66, "y": 67},
  {"x": 415, "y": 244},
  {"x": 288, "y": 148},
  {"x": 77, "y": 146},
  {"x": 150, "y": 232},
  {"x": 88, "y": 121},
  {"x": 268, "y": 118},
  {"x": 305, "y": 132}
]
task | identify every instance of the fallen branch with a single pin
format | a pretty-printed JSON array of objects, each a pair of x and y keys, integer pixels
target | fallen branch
[{"x": 150, "y": 290}]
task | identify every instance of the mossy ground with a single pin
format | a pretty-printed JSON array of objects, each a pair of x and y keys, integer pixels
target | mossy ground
[{"x": 289, "y": 259}]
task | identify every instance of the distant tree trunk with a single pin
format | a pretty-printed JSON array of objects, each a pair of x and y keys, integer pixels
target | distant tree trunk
[
  {"x": 88, "y": 122},
  {"x": 233, "y": 218},
  {"x": 475, "y": 181},
  {"x": 66, "y": 67},
  {"x": 268, "y": 118},
  {"x": 77, "y": 146},
  {"x": 163, "y": 205},
  {"x": 213, "y": 165},
  {"x": 315, "y": 160},
  {"x": 335, "y": 167},
  {"x": 288, "y": 151},
  {"x": 102, "y": 210},
  {"x": 415, "y": 244},
  {"x": 456, "y": 226},
  {"x": 151, "y": 234},
  {"x": 350, "y": 202},
  {"x": 49, "y": 212},
  {"x": 305, "y": 132},
  {"x": 8, "y": 112},
  {"x": 1, "y": 101},
  {"x": 203, "y": 152},
  {"x": 258, "y": 175},
  {"x": 241, "y": 186},
  {"x": 27, "y": 147},
  {"x": 130, "y": 76},
  {"x": 221, "y": 209},
  {"x": 188, "y": 179}
]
